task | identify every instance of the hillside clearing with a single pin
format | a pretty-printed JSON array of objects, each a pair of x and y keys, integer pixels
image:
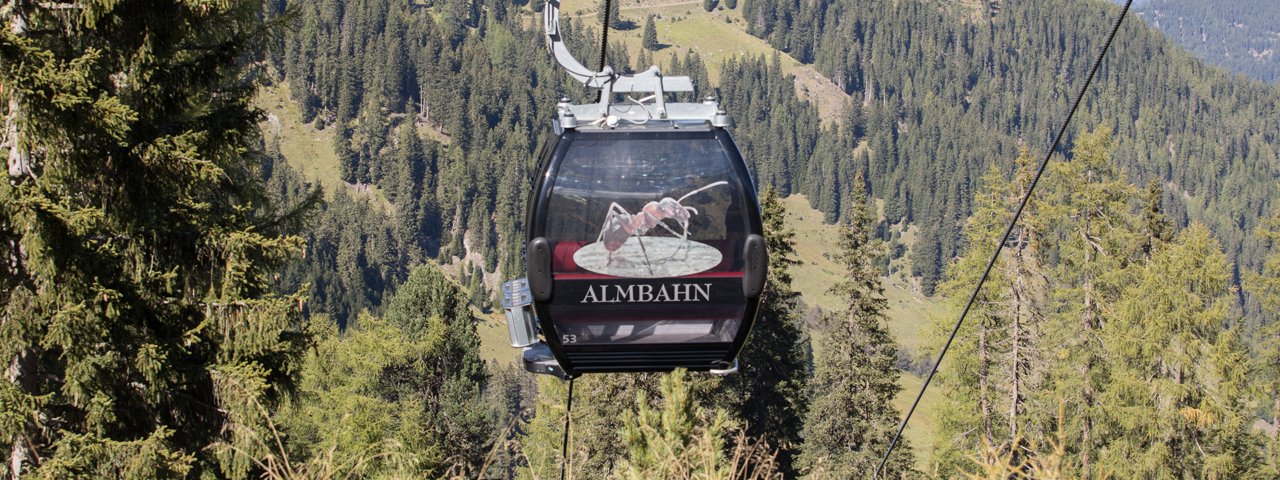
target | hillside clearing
[{"x": 715, "y": 36}]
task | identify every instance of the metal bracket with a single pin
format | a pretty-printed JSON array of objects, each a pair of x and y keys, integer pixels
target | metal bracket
[
  {"x": 725, "y": 371},
  {"x": 537, "y": 358},
  {"x": 605, "y": 114}
]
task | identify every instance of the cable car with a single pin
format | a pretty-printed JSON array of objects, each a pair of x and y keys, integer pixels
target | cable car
[{"x": 645, "y": 247}]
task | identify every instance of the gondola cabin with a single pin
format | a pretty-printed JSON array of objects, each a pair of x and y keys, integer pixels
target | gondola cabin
[{"x": 645, "y": 250}]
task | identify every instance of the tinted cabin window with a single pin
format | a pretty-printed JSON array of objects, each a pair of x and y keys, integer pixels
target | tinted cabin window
[{"x": 647, "y": 231}]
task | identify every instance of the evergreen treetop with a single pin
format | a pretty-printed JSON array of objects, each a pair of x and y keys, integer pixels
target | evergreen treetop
[
  {"x": 139, "y": 324},
  {"x": 649, "y": 38},
  {"x": 851, "y": 419}
]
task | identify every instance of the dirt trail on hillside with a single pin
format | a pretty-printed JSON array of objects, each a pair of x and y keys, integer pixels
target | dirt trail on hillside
[{"x": 643, "y": 4}]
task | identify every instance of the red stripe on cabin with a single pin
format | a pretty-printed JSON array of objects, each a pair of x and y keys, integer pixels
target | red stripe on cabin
[{"x": 596, "y": 276}]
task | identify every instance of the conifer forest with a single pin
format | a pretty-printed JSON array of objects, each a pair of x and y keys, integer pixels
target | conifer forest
[{"x": 267, "y": 238}]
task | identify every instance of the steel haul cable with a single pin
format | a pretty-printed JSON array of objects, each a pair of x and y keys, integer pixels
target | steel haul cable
[
  {"x": 604, "y": 40},
  {"x": 1005, "y": 239},
  {"x": 568, "y": 409},
  {"x": 564, "y": 443}
]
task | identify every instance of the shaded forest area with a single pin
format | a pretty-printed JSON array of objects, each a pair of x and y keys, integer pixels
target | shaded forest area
[
  {"x": 444, "y": 108},
  {"x": 180, "y": 302},
  {"x": 1243, "y": 35},
  {"x": 473, "y": 75},
  {"x": 932, "y": 76}
]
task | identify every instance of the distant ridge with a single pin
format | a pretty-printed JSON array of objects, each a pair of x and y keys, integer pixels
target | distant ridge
[{"x": 1240, "y": 35}]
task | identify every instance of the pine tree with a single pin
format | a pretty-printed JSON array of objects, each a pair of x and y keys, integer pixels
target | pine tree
[
  {"x": 649, "y": 39},
  {"x": 768, "y": 392},
  {"x": 140, "y": 334},
  {"x": 991, "y": 365},
  {"x": 1176, "y": 402},
  {"x": 1089, "y": 205},
  {"x": 1266, "y": 287},
  {"x": 852, "y": 418},
  {"x": 614, "y": 16},
  {"x": 709, "y": 5}
]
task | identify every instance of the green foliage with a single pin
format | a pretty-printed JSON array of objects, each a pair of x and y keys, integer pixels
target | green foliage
[
  {"x": 438, "y": 112},
  {"x": 709, "y": 5},
  {"x": 768, "y": 394},
  {"x": 599, "y": 405},
  {"x": 674, "y": 442},
  {"x": 1091, "y": 235},
  {"x": 457, "y": 75},
  {"x": 138, "y": 321},
  {"x": 685, "y": 441},
  {"x": 943, "y": 95},
  {"x": 1177, "y": 398},
  {"x": 1238, "y": 35},
  {"x": 402, "y": 395},
  {"x": 1133, "y": 368},
  {"x": 91, "y": 456},
  {"x": 991, "y": 367},
  {"x": 851, "y": 418},
  {"x": 1266, "y": 287},
  {"x": 775, "y": 131},
  {"x": 649, "y": 38}
]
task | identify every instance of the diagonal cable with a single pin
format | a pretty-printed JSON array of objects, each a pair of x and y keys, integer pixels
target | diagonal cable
[
  {"x": 564, "y": 443},
  {"x": 1007, "y": 232}
]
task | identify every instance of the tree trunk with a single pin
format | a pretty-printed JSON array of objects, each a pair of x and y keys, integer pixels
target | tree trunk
[
  {"x": 1086, "y": 368},
  {"x": 19, "y": 373},
  {"x": 19, "y": 165},
  {"x": 19, "y": 160},
  {"x": 1015, "y": 353},
  {"x": 984, "y": 402}
]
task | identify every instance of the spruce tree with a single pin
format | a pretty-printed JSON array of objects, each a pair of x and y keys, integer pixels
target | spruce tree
[
  {"x": 1154, "y": 227},
  {"x": 138, "y": 328},
  {"x": 649, "y": 38},
  {"x": 613, "y": 17},
  {"x": 851, "y": 419},
  {"x": 408, "y": 190},
  {"x": 768, "y": 392}
]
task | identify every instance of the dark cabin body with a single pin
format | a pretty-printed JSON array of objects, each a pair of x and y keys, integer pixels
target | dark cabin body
[{"x": 645, "y": 248}]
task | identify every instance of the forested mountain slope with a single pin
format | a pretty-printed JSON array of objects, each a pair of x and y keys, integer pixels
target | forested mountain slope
[
  {"x": 473, "y": 76},
  {"x": 149, "y": 330},
  {"x": 1241, "y": 35},
  {"x": 950, "y": 88},
  {"x": 443, "y": 108}
]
